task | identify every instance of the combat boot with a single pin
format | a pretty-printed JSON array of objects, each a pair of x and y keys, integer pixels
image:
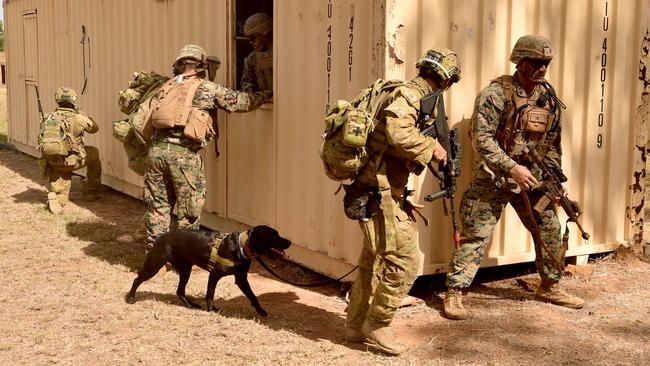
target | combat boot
[
  {"x": 549, "y": 291},
  {"x": 381, "y": 336},
  {"x": 453, "y": 303},
  {"x": 53, "y": 203},
  {"x": 353, "y": 335}
]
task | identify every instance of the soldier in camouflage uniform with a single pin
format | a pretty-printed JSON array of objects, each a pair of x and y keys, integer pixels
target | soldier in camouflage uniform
[
  {"x": 59, "y": 169},
  {"x": 390, "y": 256},
  {"x": 501, "y": 171},
  {"x": 257, "y": 74},
  {"x": 174, "y": 172}
]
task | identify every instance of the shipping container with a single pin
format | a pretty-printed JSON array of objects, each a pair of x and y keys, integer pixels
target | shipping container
[{"x": 269, "y": 170}]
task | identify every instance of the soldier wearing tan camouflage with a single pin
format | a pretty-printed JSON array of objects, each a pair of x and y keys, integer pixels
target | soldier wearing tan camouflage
[
  {"x": 59, "y": 169},
  {"x": 174, "y": 172},
  {"x": 510, "y": 113},
  {"x": 257, "y": 74},
  {"x": 390, "y": 255}
]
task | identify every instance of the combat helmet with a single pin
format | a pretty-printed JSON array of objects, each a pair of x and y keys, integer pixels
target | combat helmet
[
  {"x": 443, "y": 62},
  {"x": 533, "y": 47},
  {"x": 65, "y": 95},
  {"x": 258, "y": 23},
  {"x": 193, "y": 52}
]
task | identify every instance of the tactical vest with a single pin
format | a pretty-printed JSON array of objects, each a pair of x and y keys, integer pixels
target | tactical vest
[
  {"x": 264, "y": 69},
  {"x": 526, "y": 121},
  {"x": 173, "y": 108}
]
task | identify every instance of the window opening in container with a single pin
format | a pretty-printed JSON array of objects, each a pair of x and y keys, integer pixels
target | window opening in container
[{"x": 253, "y": 65}]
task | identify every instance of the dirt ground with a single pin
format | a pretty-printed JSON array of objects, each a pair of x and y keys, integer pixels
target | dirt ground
[{"x": 63, "y": 280}]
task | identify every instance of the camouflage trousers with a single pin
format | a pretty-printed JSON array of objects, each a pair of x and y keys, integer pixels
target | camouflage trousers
[
  {"x": 384, "y": 278},
  {"x": 480, "y": 209},
  {"x": 173, "y": 176},
  {"x": 60, "y": 176}
]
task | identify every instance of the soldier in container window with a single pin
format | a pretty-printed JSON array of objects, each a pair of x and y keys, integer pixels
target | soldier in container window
[{"x": 258, "y": 65}]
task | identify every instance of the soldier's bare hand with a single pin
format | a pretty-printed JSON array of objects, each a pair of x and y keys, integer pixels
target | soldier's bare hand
[
  {"x": 439, "y": 155},
  {"x": 523, "y": 177}
]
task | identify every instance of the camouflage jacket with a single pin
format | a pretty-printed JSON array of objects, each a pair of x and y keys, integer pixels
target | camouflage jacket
[
  {"x": 408, "y": 151},
  {"x": 81, "y": 123},
  {"x": 491, "y": 109}
]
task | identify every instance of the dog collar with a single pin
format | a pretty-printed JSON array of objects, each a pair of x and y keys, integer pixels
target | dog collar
[{"x": 245, "y": 249}]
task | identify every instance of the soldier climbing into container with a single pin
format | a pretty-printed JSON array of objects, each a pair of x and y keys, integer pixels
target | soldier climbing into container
[
  {"x": 390, "y": 256},
  {"x": 63, "y": 151},
  {"x": 509, "y": 114},
  {"x": 183, "y": 116},
  {"x": 258, "y": 65}
]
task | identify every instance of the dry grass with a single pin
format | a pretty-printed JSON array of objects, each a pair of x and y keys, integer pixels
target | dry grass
[{"x": 63, "y": 280}]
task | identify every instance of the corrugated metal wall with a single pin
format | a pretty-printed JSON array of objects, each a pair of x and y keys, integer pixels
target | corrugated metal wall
[
  {"x": 122, "y": 36},
  {"x": 324, "y": 53},
  {"x": 597, "y": 44},
  {"x": 325, "y": 50}
]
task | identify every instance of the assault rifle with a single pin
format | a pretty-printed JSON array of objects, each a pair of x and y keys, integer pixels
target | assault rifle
[
  {"x": 446, "y": 173},
  {"x": 552, "y": 187}
]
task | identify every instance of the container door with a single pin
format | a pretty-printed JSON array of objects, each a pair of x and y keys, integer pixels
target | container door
[{"x": 30, "y": 39}]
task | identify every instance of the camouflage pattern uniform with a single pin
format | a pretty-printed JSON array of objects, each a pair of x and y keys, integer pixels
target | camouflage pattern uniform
[
  {"x": 486, "y": 196},
  {"x": 59, "y": 169},
  {"x": 483, "y": 201},
  {"x": 385, "y": 275},
  {"x": 174, "y": 173}
]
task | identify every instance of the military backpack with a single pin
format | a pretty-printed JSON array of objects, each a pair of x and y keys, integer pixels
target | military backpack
[
  {"x": 347, "y": 127},
  {"x": 55, "y": 137},
  {"x": 144, "y": 83},
  {"x": 133, "y": 131}
]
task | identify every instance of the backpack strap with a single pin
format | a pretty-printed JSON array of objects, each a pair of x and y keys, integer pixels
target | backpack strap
[
  {"x": 378, "y": 96},
  {"x": 195, "y": 83},
  {"x": 512, "y": 104}
]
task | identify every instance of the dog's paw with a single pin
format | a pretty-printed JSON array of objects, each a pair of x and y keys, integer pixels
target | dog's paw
[
  {"x": 130, "y": 299},
  {"x": 215, "y": 309}
]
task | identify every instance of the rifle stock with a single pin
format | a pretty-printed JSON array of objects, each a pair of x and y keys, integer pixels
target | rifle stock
[{"x": 553, "y": 187}]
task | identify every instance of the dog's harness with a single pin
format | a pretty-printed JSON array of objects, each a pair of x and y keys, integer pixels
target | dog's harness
[{"x": 244, "y": 250}]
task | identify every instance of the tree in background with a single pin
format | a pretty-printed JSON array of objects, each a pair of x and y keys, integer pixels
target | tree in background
[{"x": 2, "y": 36}]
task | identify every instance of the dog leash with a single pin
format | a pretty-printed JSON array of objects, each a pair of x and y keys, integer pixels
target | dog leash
[{"x": 313, "y": 284}]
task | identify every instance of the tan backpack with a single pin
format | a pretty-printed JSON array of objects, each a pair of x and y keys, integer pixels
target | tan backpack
[{"x": 172, "y": 108}]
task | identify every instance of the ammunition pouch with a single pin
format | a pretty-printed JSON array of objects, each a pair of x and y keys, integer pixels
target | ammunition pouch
[
  {"x": 525, "y": 122},
  {"x": 360, "y": 203}
]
